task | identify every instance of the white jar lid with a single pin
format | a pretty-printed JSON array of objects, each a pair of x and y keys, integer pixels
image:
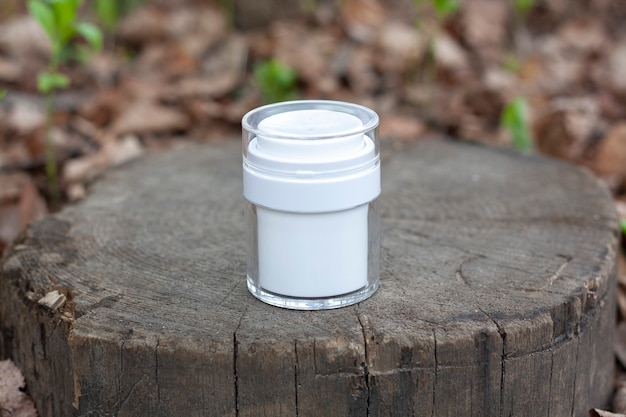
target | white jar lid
[
  {"x": 311, "y": 156},
  {"x": 314, "y": 135}
]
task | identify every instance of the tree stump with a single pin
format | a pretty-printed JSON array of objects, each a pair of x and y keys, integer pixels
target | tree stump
[{"x": 497, "y": 296}]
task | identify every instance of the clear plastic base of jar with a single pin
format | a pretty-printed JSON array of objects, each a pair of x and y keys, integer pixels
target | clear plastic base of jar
[
  {"x": 289, "y": 272},
  {"x": 327, "y": 303}
]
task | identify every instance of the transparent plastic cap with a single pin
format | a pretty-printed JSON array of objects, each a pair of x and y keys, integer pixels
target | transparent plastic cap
[{"x": 310, "y": 137}]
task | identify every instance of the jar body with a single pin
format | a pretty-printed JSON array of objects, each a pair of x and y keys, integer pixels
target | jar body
[
  {"x": 314, "y": 261},
  {"x": 311, "y": 176}
]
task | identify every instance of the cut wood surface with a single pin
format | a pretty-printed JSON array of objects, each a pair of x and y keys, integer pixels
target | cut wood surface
[{"x": 496, "y": 297}]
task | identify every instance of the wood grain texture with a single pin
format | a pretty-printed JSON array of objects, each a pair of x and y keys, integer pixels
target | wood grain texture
[{"x": 496, "y": 297}]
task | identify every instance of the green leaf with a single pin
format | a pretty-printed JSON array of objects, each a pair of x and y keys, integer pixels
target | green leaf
[
  {"x": 276, "y": 81},
  {"x": 65, "y": 14},
  {"x": 2, "y": 94},
  {"x": 108, "y": 13},
  {"x": 444, "y": 8},
  {"x": 515, "y": 120},
  {"x": 50, "y": 81},
  {"x": 512, "y": 64},
  {"x": 523, "y": 6},
  {"x": 622, "y": 225},
  {"x": 45, "y": 17},
  {"x": 91, "y": 33}
]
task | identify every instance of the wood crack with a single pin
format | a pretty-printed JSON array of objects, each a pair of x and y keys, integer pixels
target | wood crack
[
  {"x": 502, "y": 334},
  {"x": 550, "y": 383},
  {"x": 235, "y": 349},
  {"x": 228, "y": 293},
  {"x": 459, "y": 272},
  {"x": 366, "y": 373},
  {"x": 156, "y": 369},
  {"x": 295, "y": 375},
  {"x": 575, "y": 379},
  {"x": 122, "y": 367},
  {"x": 436, "y": 371},
  {"x": 557, "y": 273},
  {"x": 120, "y": 405}
]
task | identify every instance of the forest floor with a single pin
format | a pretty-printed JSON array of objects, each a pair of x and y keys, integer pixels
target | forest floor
[{"x": 173, "y": 72}]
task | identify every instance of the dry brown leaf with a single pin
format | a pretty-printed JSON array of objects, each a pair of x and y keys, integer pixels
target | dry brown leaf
[
  {"x": 229, "y": 55},
  {"x": 255, "y": 14},
  {"x": 400, "y": 47},
  {"x": 76, "y": 192},
  {"x": 485, "y": 24},
  {"x": 104, "y": 68},
  {"x": 15, "y": 155},
  {"x": 123, "y": 150},
  {"x": 361, "y": 74},
  {"x": 11, "y": 186},
  {"x": 144, "y": 25},
  {"x": 32, "y": 205},
  {"x": 114, "y": 152},
  {"x": 9, "y": 224},
  {"x": 233, "y": 112},
  {"x": 450, "y": 56},
  {"x": 20, "y": 204},
  {"x": 568, "y": 129},
  {"x": 362, "y": 18},
  {"x": 26, "y": 116},
  {"x": 497, "y": 79},
  {"x": 611, "y": 156},
  {"x": 306, "y": 51},
  {"x": 13, "y": 402},
  {"x": 561, "y": 66},
  {"x": 144, "y": 116},
  {"x": 85, "y": 168},
  {"x": 216, "y": 86},
  {"x": 585, "y": 35},
  {"x": 179, "y": 62},
  {"x": 617, "y": 63},
  {"x": 401, "y": 127},
  {"x": 24, "y": 36},
  {"x": 197, "y": 28},
  {"x": 10, "y": 71}
]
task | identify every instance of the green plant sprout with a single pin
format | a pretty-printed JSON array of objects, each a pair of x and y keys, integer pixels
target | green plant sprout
[
  {"x": 110, "y": 12},
  {"x": 2, "y": 94},
  {"x": 523, "y": 6},
  {"x": 622, "y": 225},
  {"x": 58, "y": 18},
  {"x": 309, "y": 7},
  {"x": 444, "y": 8},
  {"x": 512, "y": 63},
  {"x": 276, "y": 81},
  {"x": 228, "y": 6},
  {"x": 431, "y": 28},
  {"x": 515, "y": 120}
]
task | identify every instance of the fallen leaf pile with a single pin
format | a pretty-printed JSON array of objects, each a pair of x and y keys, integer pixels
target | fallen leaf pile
[
  {"x": 180, "y": 71},
  {"x": 13, "y": 401}
]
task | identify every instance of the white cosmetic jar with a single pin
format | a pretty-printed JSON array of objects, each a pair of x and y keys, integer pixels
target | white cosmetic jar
[{"x": 311, "y": 176}]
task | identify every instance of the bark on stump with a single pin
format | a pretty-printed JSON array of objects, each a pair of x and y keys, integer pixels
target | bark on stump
[{"x": 496, "y": 297}]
